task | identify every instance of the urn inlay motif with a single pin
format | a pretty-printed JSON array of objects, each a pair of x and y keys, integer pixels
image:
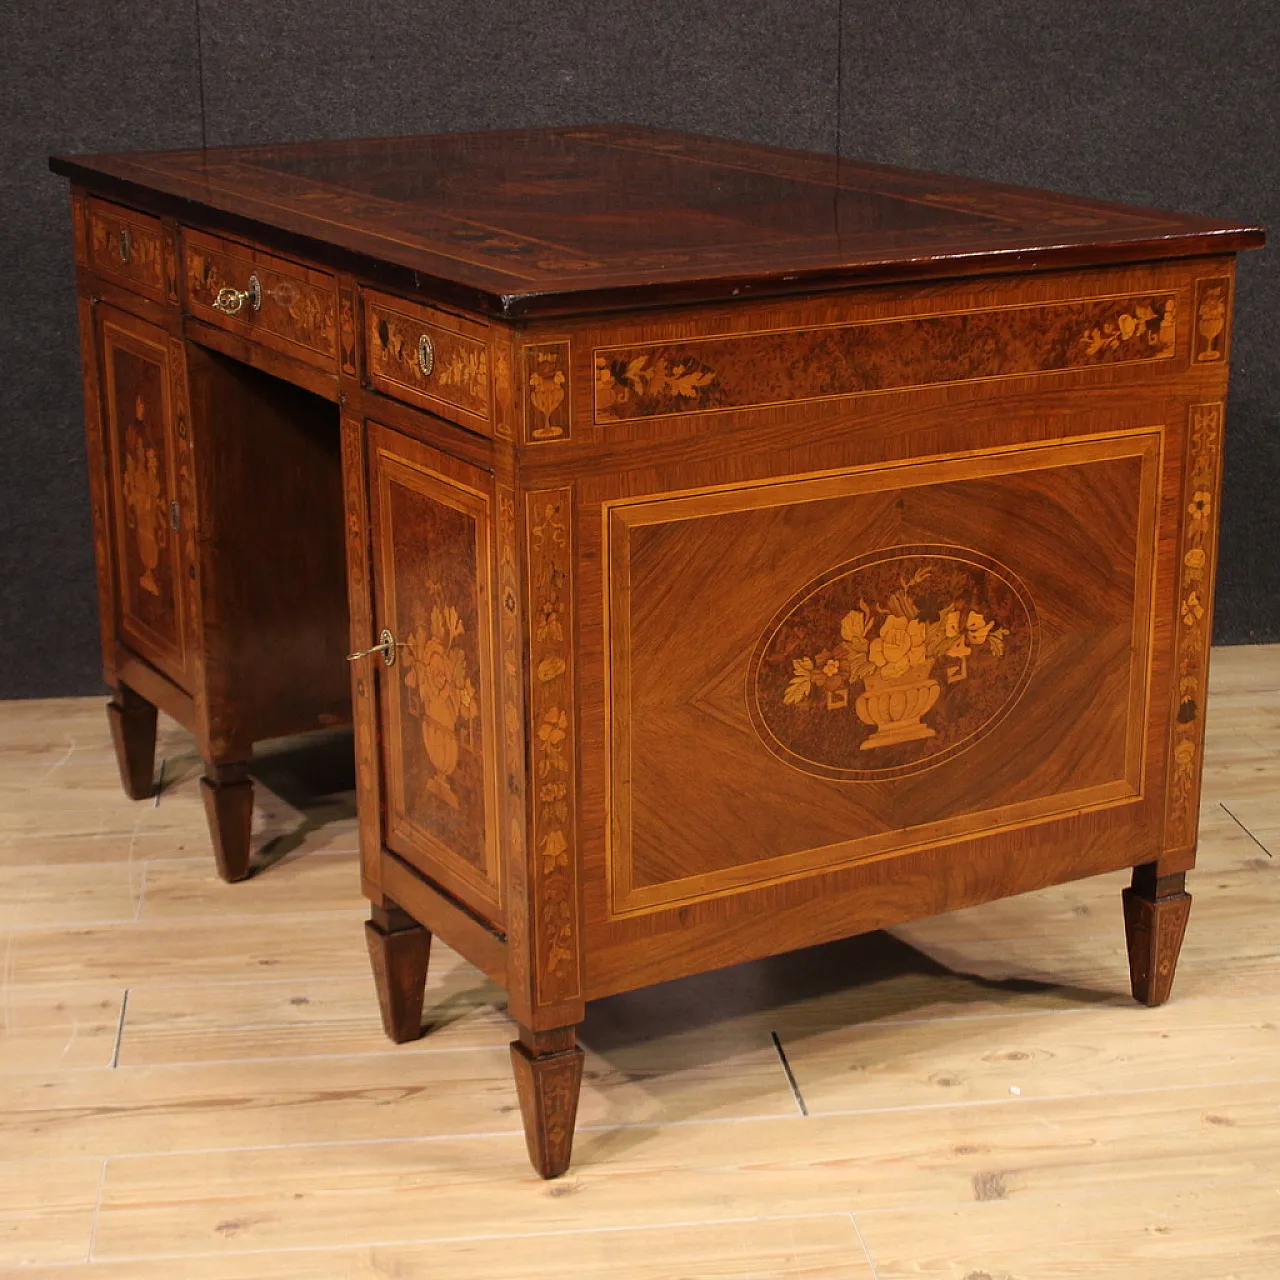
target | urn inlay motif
[
  {"x": 143, "y": 496},
  {"x": 893, "y": 662}
]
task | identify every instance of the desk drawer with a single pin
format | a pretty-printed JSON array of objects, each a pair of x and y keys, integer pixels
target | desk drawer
[
  {"x": 280, "y": 304},
  {"x": 127, "y": 247},
  {"x": 429, "y": 358}
]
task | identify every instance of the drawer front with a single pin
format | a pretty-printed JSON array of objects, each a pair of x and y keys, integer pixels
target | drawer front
[
  {"x": 128, "y": 247},
  {"x": 429, "y": 358},
  {"x": 725, "y": 372},
  {"x": 280, "y": 304}
]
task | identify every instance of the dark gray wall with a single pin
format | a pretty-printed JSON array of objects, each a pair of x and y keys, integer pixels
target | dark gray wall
[{"x": 1151, "y": 102}]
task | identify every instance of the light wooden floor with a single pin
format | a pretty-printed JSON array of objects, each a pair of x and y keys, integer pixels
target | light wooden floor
[{"x": 193, "y": 1084}]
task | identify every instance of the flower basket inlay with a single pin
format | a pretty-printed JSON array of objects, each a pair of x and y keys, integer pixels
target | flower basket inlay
[{"x": 893, "y": 661}]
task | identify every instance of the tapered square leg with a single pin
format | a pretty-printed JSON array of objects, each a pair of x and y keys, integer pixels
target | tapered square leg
[
  {"x": 1155, "y": 920},
  {"x": 133, "y": 733},
  {"x": 548, "y": 1072},
  {"x": 228, "y": 806},
  {"x": 399, "y": 950}
]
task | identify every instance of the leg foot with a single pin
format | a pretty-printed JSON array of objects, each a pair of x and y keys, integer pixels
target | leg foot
[
  {"x": 1155, "y": 918},
  {"x": 399, "y": 948},
  {"x": 133, "y": 732},
  {"x": 548, "y": 1071},
  {"x": 228, "y": 805}
]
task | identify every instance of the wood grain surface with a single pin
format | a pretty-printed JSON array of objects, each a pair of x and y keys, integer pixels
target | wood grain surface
[
  {"x": 140, "y": 429},
  {"x": 539, "y": 221},
  {"x": 429, "y": 358},
  {"x": 433, "y": 527},
  {"x": 128, "y": 246},
  {"x": 297, "y": 313}
]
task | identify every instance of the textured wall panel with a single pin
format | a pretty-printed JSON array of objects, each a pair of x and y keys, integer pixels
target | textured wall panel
[
  {"x": 759, "y": 69},
  {"x": 1176, "y": 106},
  {"x": 78, "y": 76}
]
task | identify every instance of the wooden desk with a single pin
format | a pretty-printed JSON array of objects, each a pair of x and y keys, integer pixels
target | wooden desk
[{"x": 747, "y": 549}]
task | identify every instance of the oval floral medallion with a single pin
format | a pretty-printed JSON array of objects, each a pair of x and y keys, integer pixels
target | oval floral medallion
[{"x": 893, "y": 662}]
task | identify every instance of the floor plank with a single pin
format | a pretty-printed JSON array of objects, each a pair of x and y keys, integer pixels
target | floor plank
[
  {"x": 49, "y": 1030},
  {"x": 288, "y": 1197},
  {"x": 47, "y": 1210},
  {"x": 235, "y": 1021},
  {"x": 819, "y": 1247},
  {"x": 194, "y": 1082},
  {"x": 1149, "y": 1233}
]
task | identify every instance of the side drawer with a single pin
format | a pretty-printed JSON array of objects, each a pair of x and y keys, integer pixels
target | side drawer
[
  {"x": 280, "y": 304},
  {"x": 429, "y": 358},
  {"x": 127, "y": 247}
]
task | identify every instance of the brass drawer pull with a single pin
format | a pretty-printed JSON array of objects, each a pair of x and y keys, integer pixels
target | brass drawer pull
[
  {"x": 426, "y": 355},
  {"x": 387, "y": 645},
  {"x": 125, "y": 244},
  {"x": 230, "y": 300}
]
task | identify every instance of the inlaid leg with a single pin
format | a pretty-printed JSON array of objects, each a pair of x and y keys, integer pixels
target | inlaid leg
[
  {"x": 399, "y": 948},
  {"x": 548, "y": 1071},
  {"x": 1155, "y": 919},
  {"x": 133, "y": 732},
  {"x": 228, "y": 806}
]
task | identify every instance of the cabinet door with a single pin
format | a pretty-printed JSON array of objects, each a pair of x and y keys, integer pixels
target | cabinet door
[
  {"x": 431, "y": 522},
  {"x": 143, "y": 464}
]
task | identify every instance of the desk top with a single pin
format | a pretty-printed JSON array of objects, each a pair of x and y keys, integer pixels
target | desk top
[{"x": 559, "y": 221}]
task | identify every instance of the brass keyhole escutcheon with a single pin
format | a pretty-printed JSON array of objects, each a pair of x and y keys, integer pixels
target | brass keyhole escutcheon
[
  {"x": 426, "y": 355},
  {"x": 125, "y": 244}
]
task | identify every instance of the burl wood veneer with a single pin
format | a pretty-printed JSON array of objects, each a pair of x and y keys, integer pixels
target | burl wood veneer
[{"x": 744, "y": 548}]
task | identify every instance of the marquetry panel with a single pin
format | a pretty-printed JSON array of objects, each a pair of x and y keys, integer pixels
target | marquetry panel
[
  {"x": 923, "y": 653},
  {"x": 511, "y": 666},
  {"x": 1197, "y": 559},
  {"x": 128, "y": 247},
  {"x": 546, "y": 391},
  {"x": 347, "y": 327},
  {"x": 146, "y": 488},
  {"x": 362, "y": 635},
  {"x": 1210, "y": 342},
  {"x": 429, "y": 358},
  {"x": 553, "y": 729},
  {"x": 96, "y": 456},
  {"x": 750, "y": 370},
  {"x": 504, "y": 387},
  {"x": 432, "y": 522},
  {"x": 184, "y": 516},
  {"x": 298, "y": 312}
]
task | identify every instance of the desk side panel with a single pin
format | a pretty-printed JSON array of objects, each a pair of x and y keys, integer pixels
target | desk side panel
[{"x": 905, "y": 645}]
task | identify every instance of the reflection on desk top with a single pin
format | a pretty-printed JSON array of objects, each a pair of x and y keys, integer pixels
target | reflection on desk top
[{"x": 556, "y": 221}]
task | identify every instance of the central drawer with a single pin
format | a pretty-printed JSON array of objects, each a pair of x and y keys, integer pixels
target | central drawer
[{"x": 281, "y": 304}]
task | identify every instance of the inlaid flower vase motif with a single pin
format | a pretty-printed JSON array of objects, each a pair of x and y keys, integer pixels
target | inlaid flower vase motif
[
  {"x": 894, "y": 706},
  {"x": 142, "y": 493},
  {"x": 441, "y": 694}
]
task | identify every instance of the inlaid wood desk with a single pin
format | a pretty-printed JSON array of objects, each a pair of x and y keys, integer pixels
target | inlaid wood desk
[{"x": 743, "y": 548}]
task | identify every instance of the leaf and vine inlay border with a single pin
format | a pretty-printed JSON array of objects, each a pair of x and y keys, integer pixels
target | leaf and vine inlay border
[
  {"x": 1195, "y": 596},
  {"x": 549, "y": 533},
  {"x": 513, "y": 784},
  {"x": 750, "y": 370}
]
